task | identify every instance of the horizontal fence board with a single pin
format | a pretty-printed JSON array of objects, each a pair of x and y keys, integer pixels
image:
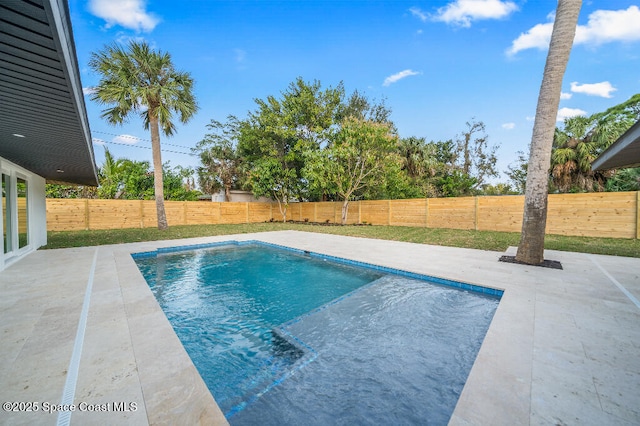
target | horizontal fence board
[
  {"x": 293, "y": 211},
  {"x": 233, "y": 212},
  {"x": 174, "y": 210},
  {"x": 261, "y": 212},
  {"x": 500, "y": 213},
  {"x": 113, "y": 214},
  {"x": 66, "y": 215},
  {"x": 374, "y": 212},
  {"x": 408, "y": 212},
  {"x": 325, "y": 212},
  {"x": 454, "y": 213},
  {"x": 307, "y": 212},
  {"x": 613, "y": 215},
  {"x": 149, "y": 216},
  {"x": 202, "y": 213}
]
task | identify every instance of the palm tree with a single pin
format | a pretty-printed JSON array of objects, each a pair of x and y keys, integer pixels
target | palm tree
[
  {"x": 575, "y": 147},
  {"x": 143, "y": 81},
  {"x": 534, "y": 221},
  {"x": 110, "y": 176},
  {"x": 583, "y": 139}
]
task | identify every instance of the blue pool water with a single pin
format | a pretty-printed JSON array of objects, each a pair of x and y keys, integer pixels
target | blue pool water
[
  {"x": 277, "y": 343},
  {"x": 224, "y": 302}
]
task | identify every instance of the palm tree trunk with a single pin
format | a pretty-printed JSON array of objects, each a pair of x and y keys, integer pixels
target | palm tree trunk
[
  {"x": 531, "y": 247},
  {"x": 157, "y": 173}
]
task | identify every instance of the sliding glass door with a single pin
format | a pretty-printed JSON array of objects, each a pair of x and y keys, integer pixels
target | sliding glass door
[
  {"x": 6, "y": 213},
  {"x": 15, "y": 213},
  {"x": 22, "y": 212}
]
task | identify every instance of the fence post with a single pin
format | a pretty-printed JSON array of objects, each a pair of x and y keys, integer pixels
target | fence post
[
  {"x": 141, "y": 214},
  {"x": 389, "y": 212},
  {"x": 359, "y": 212},
  {"x": 247, "y": 208},
  {"x": 86, "y": 214}
]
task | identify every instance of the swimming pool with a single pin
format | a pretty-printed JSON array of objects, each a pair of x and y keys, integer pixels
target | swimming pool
[{"x": 280, "y": 335}]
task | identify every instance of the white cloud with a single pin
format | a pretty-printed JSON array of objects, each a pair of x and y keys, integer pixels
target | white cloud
[
  {"x": 509, "y": 126},
  {"x": 462, "y": 12},
  {"x": 568, "y": 113},
  {"x": 88, "y": 90},
  {"x": 603, "y": 26},
  {"x": 126, "y": 13},
  {"x": 399, "y": 76},
  {"x": 126, "y": 139},
  {"x": 537, "y": 37},
  {"x": 602, "y": 89},
  {"x": 415, "y": 11},
  {"x": 564, "y": 95}
]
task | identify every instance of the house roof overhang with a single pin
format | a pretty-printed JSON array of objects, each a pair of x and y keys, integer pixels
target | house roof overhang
[
  {"x": 625, "y": 152},
  {"x": 43, "y": 121}
]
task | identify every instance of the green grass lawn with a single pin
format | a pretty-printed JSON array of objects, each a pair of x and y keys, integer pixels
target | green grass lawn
[{"x": 483, "y": 240}]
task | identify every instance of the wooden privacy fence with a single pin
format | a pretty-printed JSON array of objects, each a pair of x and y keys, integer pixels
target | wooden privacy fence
[{"x": 611, "y": 214}]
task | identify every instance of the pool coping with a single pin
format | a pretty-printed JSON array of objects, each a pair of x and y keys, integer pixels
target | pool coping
[{"x": 562, "y": 346}]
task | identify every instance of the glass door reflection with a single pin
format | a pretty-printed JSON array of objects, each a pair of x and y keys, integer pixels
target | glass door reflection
[
  {"x": 23, "y": 213},
  {"x": 6, "y": 214}
]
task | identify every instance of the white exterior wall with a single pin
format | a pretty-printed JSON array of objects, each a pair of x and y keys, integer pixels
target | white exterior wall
[
  {"x": 36, "y": 212},
  {"x": 239, "y": 196}
]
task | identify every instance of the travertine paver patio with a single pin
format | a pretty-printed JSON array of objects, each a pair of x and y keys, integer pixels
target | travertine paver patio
[{"x": 562, "y": 348}]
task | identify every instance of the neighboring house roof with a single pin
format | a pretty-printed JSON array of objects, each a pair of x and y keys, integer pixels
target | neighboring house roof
[
  {"x": 625, "y": 152},
  {"x": 41, "y": 97}
]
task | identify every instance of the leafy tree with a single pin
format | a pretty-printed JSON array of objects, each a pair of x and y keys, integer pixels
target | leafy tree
[
  {"x": 274, "y": 139},
  {"x": 277, "y": 139},
  {"x": 531, "y": 246},
  {"x": 310, "y": 112},
  {"x": 393, "y": 184},
  {"x": 354, "y": 161},
  {"x": 518, "y": 173},
  {"x": 456, "y": 184},
  {"x": 175, "y": 187},
  {"x": 497, "y": 189},
  {"x": 433, "y": 168},
  {"x": 475, "y": 158},
  {"x": 220, "y": 158},
  {"x": 137, "y": 181},
  {"x": 139, "y": 80},
  {"x": 358, "y": 106},
  {"x": 624, "y": 180},
  {"x": 54, "y": 190}
]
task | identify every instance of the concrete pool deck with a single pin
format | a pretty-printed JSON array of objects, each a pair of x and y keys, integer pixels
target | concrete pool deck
[{"x": 563, "y": 346}]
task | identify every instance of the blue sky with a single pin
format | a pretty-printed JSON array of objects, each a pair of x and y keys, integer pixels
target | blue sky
[{"x": 438, "y": 64}]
